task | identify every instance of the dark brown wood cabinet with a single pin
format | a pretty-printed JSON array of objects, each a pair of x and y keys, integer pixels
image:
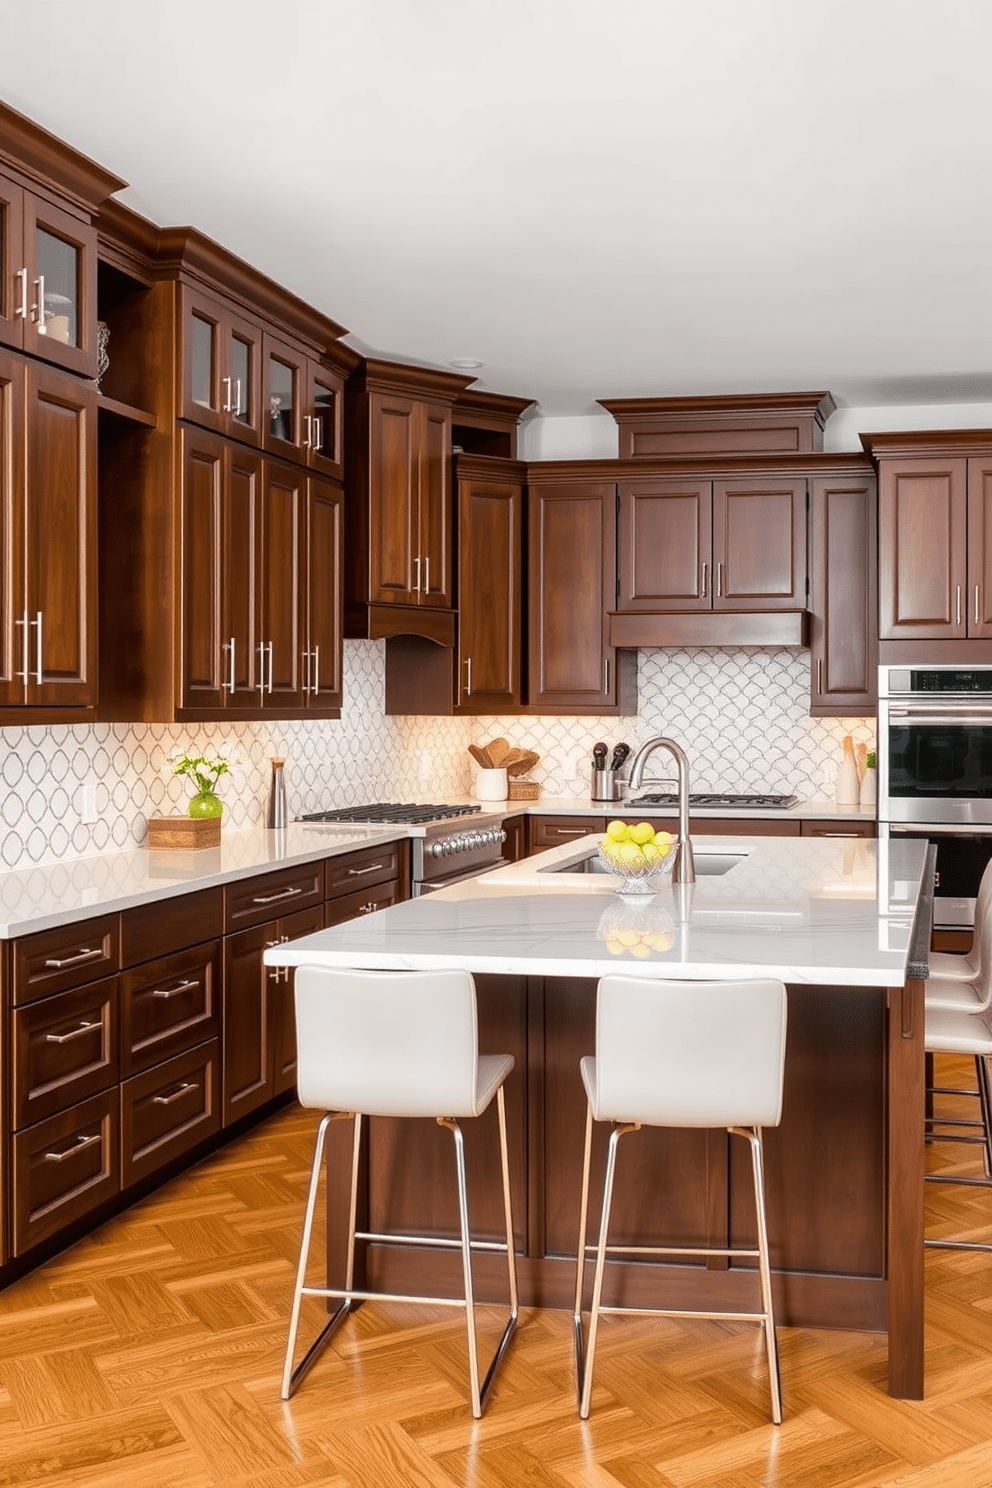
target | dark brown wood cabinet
[
  {"x": 48, "y": 245},
  {"x": 303, "y": 403},
  {"x": 400, "y": 527},
  {"x": 843, "y": 595},
  {"x": 572, "y": 556},
  {"x": 727, "y": 544},
  {"x": 220, "y": 361},
  {"x": 48, "y": 637},
  {"x": 490, "y": 586}
]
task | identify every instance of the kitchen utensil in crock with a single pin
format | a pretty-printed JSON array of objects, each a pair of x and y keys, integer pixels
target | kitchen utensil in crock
[
  {"x": 620, "y": 753},
  {"x": 599, "y": 752},
  {"x": 481, "y": 756}
]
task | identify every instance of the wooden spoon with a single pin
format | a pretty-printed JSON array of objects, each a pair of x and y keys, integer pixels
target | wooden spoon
[
  {"x": 522, "y": 761},
  {"x": 497, "y": 750},
  {"x": 481, "y": 756}
]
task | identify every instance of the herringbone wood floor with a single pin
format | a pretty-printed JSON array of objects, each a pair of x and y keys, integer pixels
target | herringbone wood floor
[{"x": 149, "y": 1356}]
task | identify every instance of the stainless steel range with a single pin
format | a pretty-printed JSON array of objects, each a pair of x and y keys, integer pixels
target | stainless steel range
[{"x": 449, "y": 843}]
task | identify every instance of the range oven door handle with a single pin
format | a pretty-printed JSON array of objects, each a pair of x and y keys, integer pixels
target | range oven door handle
[{"x": 952, "y": 716}]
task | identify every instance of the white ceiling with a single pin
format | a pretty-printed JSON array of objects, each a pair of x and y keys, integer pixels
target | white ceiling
[{"x": 594, "y": 199}]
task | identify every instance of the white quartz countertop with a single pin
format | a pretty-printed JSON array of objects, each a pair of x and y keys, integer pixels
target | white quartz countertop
[
  {"x": 584, "y": 806},
  {"x": 46, "y": 897},
  {"x": 804, "y": 910}
]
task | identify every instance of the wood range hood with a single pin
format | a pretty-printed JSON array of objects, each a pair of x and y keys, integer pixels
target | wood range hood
[{"x": 722, "y": 628}]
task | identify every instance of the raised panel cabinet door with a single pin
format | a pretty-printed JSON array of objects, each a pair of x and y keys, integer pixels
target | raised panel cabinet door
[
  {"x": 60, "y": 539},
  {"x": 322, "y": 670},
  {"x": 979, "y": 598},
  {"x": 922, "y": 549},
  {"x": 13, "y": 271},
  {"x": 203, "y": 474},
  {"x": 665, "y": 559},
  {"x": 843, "y": 623},
  {"x": 13, "y": 604},
  {"x": 241, "y": 495},
  {"x": 434, "y": 487},
  {"x": 572, "y": 530},
  {"x": 247, "y": 1057},
  {"x": 281, "y": 1005},
  {"x": 282, "y": 531},
  {"x": 759, "y": 545},
  {"x": 489, "y": 598},
  {"x": 394, "y": 534},
  {"x": 60, "y": 257}
]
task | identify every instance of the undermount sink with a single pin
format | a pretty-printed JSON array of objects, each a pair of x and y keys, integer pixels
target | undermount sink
[{"x": 708, "y": 864}]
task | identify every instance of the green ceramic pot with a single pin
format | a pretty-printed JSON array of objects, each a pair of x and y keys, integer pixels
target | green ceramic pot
[{"x": 206, "y": 804}]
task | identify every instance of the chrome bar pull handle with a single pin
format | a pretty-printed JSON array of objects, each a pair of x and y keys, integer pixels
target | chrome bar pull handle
[
  {"x": 83, "y": 954},
  {"x": 316, "y": 670},
  {"x": 306, "y": 673},
  {"x": 227, "y": 401},
  {"x": 958, "y": 603},
  {"x": 261, "y": 666},
  {"x": 180, "y": 1090},
  {"x": 167, "y": 992},
  {"x": 66, "y": 1038},
  {"x": 77, "y": 1146},
  {"x": 318, "y": 433},
  {"x": 427, "y": 575},
  {"x": 37, "y": 621},
  {"x": 977, "y": 617},
  {"x": 21, "y": 309},
  {"x": 819, "y": 674},
  {"x": 719, "y": 581},
  {"x": 38, "y": 308},
  {"x": 269, "y": 688},
  {"x": 23, "y": 674},
  {"x": 307, "y": 434},
  {"x": 238, "y": 410},
  {"x": 228, "y": 686},
  {"x": 468, "y": 676},
  {"x": 416, "y": 582},
  {"x": 606, "y": 675},
  {"x": 705, "y": 581}
]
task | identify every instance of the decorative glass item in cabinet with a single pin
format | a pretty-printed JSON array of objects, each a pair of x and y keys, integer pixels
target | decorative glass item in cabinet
[
  {"x": 102, "y": 356},
  {"x": 281, "y": 400},
  {"x": 57, "y": 304}
]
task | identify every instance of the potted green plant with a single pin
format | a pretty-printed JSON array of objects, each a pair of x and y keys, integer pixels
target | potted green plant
[{"x": 205, "y": 771}]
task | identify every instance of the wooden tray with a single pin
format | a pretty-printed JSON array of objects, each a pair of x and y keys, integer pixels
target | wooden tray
[{"x": 183, "y": 831}]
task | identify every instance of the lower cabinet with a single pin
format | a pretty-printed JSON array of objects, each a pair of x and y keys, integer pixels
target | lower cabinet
[{"x": 135, "y": 1038}]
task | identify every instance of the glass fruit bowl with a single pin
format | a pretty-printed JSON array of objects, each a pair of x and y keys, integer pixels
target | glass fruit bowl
[{"x": 635, "y": 882}]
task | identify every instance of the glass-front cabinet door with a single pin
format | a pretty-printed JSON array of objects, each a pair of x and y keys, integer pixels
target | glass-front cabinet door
[
  {"x": 220, "y": 357},
  {"x": 324, "y": 400},
  {"x": 13, "y": 271},
  {"x": 284, "y": 377},
  {"x": 60, "y": 260}
]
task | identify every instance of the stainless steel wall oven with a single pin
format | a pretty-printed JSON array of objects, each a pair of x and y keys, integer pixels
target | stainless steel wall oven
[{"x": 935, "y": 772}]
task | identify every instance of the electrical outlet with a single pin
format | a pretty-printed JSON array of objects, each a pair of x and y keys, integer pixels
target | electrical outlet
[{"x": 88, "y": 810}]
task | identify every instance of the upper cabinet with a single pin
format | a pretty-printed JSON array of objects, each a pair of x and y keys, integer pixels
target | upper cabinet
[
  {"x": 303, "y": 402},
  {"x": 400, "y": 526},
  {"x": 571, "y": 587},
  {"x": 934, "y": 535},
  {"x": 220, "y": 357},
  {"x": 48, "y": 246},
  {"x": 48, "y": 640},
  {"x": 689, "y": 544},
  {"x": 843, "y": 595}
]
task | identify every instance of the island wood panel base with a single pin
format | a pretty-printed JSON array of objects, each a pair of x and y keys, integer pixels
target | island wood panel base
[{"x": 844, "y": 1182}]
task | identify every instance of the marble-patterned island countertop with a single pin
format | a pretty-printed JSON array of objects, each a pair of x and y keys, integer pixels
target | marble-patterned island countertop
[{"x": 819, "y": 911}]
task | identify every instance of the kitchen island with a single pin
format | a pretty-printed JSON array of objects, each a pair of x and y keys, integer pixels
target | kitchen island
[{"x": 837, "y": 921}]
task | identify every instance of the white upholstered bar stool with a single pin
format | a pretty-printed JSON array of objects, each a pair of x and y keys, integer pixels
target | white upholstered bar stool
[
  {"x": 403, "y": 1044},
  {"x": 681, "y": 1054},
  {"x": 966, "y": 966}
]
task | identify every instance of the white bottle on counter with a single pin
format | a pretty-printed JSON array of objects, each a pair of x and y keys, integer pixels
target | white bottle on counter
[{"x": 848, "y": 791}]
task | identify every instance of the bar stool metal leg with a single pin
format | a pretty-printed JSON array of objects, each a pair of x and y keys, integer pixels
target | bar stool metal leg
[
  {"x": 753, "y": 1136},
  {"x": 585, "y": 1384},
  {"x": 290, "y": 1377}
]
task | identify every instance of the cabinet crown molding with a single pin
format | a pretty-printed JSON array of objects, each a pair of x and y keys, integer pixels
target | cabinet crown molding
[
  {"x": 374, "y": 375},
  {"x": 29, "y": 148},
  {"x": 916, "y": 442}
]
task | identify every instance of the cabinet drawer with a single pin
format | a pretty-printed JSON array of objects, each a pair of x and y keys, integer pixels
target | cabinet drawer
[
  {"x": 64, "y": 1167},
  {"x": 65, "y": 1049},
  {"x": 169, "y": 1109},
  {"x": 154, "y": 930},
  {"x": 552, "y": 831},
  {"x": 354, "y": 870},
  {"x": 839, "y": 829},
  {"x": 54, "y": 960},
  {"x": 364, "y": 901},
  {"x": 252, "y": 901},
  {"x": 169, "y": 1005}
]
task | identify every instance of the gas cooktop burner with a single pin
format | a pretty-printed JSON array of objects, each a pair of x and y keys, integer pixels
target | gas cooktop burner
[
  {"x": 390, "y": 812},
  {"x": 739, "y": 803}
]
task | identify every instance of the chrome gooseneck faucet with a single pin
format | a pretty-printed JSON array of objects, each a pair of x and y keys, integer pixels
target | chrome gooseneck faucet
[{"x": 683, "y": 868}]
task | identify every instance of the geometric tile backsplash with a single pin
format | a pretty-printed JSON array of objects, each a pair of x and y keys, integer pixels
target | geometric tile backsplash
[{"x": 740, "y": 715}]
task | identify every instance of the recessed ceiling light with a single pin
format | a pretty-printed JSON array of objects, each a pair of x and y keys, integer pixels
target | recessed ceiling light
[{"x": 466, "y": 364}]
